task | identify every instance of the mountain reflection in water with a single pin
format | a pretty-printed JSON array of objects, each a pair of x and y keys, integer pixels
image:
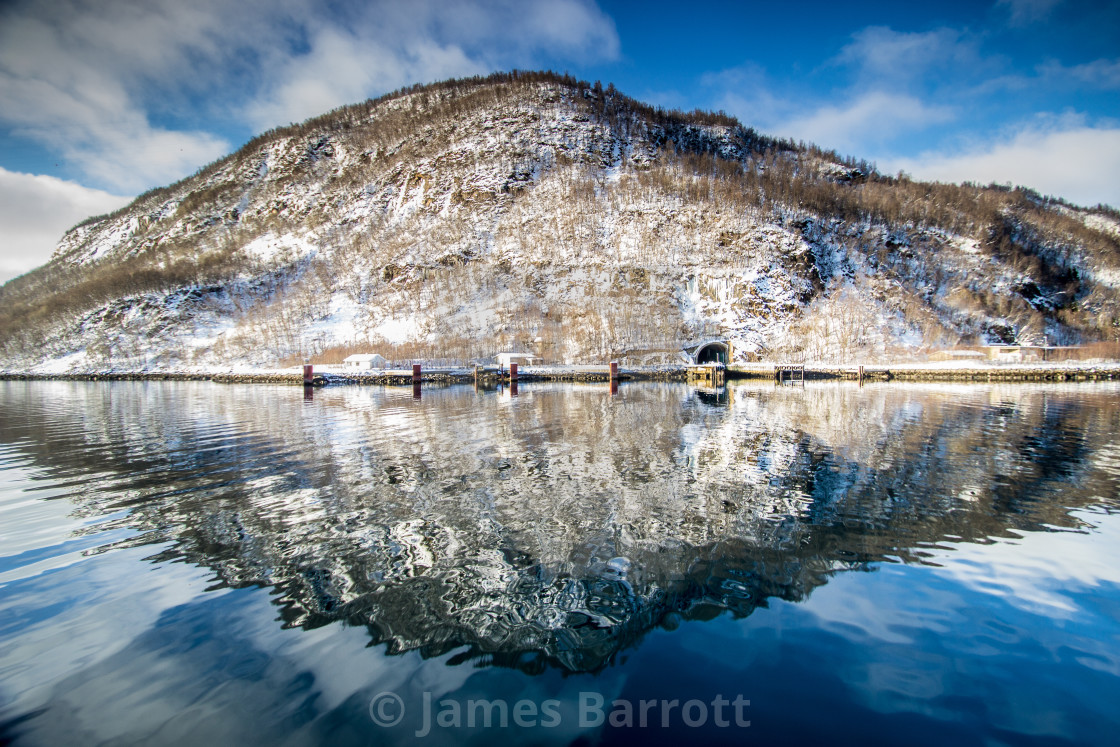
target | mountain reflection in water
[{"x": 558, "y": 527}]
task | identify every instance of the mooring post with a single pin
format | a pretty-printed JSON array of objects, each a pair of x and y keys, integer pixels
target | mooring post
[
  {"x": 512, "y": 372},
  {"x": 308, "y": 372},
  {"x": 614, "y": 370}
]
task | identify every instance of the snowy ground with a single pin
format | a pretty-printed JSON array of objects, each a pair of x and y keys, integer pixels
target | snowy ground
[{"x": 405, "y": 369}]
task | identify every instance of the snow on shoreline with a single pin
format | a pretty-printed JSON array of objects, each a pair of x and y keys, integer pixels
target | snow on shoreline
[{"x": 561, "y": 370}]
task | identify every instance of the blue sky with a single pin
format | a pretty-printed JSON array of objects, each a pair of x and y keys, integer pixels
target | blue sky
[{"x": 100, "y": 100}]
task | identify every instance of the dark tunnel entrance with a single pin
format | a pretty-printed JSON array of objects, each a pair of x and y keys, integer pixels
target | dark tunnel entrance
[{"x": 713, "y": 352}]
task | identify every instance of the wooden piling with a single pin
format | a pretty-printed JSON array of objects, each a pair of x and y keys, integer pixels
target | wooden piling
[
  {"x": 796, "y": 373},
  {"x": 308, "y": 374}
]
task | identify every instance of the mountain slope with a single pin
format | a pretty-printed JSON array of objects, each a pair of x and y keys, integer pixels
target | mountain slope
[{"x": 535, "y": 211}]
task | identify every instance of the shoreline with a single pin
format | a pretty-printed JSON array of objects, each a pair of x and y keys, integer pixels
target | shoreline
[
  {"x": 906, "y": 372},
  {"x": 903, "y": 372}
]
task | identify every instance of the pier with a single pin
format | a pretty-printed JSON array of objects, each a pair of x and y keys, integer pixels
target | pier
[
  {"x": 918, "y": 372},
  {"x": 793, "y": 373},
  {"x": 707, "y": 374}
]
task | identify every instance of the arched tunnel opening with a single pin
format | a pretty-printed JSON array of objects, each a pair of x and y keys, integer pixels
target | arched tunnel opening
[{"x": 714, "y": 352}]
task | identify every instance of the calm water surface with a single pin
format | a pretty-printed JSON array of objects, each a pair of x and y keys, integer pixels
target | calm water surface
[{"x": 186, "y": 563}]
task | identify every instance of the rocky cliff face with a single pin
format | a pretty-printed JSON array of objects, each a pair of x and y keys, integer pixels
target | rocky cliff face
[{"x": 538, "y": 212}]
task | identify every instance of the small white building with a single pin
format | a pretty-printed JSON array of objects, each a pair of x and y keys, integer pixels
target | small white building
[
  {"x": 1015, "y": 353},
  {"x": 364, "y": 362},
  {"x": 521, "y": 359}
]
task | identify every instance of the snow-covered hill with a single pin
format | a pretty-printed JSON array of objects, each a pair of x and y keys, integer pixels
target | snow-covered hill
[{"x": 538, "y": 212}]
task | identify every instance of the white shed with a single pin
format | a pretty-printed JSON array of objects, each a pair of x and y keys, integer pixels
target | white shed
[
  {"x": 521, "y": 359},
  {"x": 364, "y": 362}
]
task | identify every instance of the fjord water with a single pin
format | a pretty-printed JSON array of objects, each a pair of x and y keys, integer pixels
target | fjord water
[{"x": 186, "y": 563}]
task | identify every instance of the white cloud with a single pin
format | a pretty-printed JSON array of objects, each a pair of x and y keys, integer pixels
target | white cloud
[
  {"x": 391, "y": 45},
  {"x": 1023, "y": 12},
  {"x": 853, "y": 123},
  {"x": 95, "y": 82},
  {"x": 936, "y": 87},
  {"x": 896, "y": 90},
  {"x": 98, "y": 128},
  {"x": 341, "y": 68},
  {"x": 885, "y": 58},
  {"x": 864, "y": 124},
  {"x": 1099, "y": 74},
  {"x": 78, "y": 78},
  {"x": 1077, "y": 162},
  {"x": 574, "y": 28},
  {"x": 34, "y": 213}
]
